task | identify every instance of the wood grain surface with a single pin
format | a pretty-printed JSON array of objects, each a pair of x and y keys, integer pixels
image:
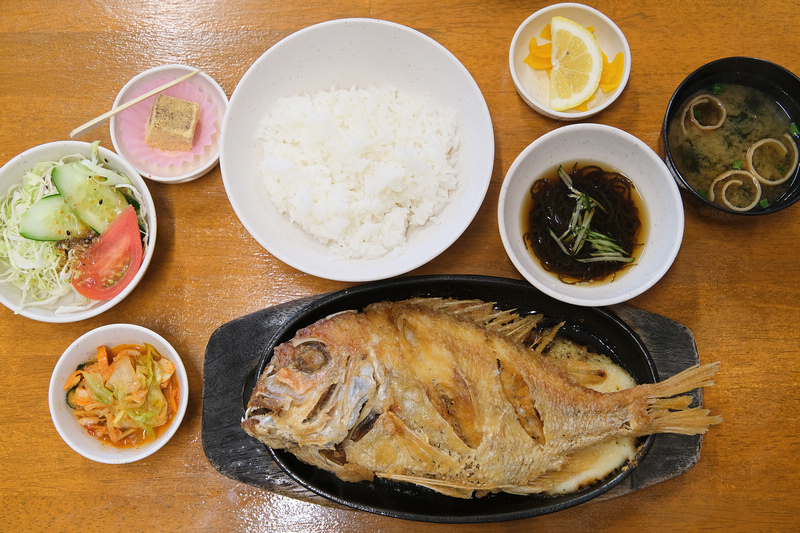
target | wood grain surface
[{"x": 735, "y": 285}]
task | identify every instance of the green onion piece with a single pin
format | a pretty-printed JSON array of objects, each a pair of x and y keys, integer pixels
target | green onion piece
[
  {"x": 736, "y": 164},
  {"x": 718, "y": 88},
  {"x": 697, "y": 114},
  {"x": 579, "y": 231},
  {"x": 764, "y": 203},
  {"x": 794, "y": 130},
  {"x": 558, "y": 241},
  {"x": 564, "y": 176},
  {"x": 703, "y": 193}
]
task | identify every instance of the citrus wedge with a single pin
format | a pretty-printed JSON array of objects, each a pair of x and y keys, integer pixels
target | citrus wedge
[{"x": 577, "y": 64}]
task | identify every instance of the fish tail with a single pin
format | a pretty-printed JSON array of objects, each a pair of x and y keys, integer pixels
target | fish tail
[
  {"x": 671, "y": 414},
  {"x": 688, "y": 380},
  {"x": 694, "y": 421}
]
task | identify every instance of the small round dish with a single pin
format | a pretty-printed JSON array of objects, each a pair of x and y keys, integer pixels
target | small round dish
[
  {"x": 776, "y": 83},
  {"x": 84, "y": 349},
  {"x": 128, "y": 127},
  {"x": 62, "y": 311},
  {"x": 533, "y": 86},
  {"x": 359, "y": 53},
  {"x": 612, "y": 149}
]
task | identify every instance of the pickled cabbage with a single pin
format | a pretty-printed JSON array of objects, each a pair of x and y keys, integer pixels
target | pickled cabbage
[{"x": 125, "y": 394}]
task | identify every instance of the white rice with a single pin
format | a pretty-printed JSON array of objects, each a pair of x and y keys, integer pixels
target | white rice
[{"x": 358, "y": 168}]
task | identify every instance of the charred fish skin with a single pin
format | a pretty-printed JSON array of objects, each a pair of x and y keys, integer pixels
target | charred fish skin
[{"x": 446, "y": 394}]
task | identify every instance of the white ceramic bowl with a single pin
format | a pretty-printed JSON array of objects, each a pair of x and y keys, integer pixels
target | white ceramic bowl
[
  {"x": 12, "y": 172},
  {"x": 127, "y": 128},
  {"x": 346, "y": 53},
  {"x": 533, "y": 86},
  {"x": 85, "y": 349},
  {"x": 612, "y": 149}
]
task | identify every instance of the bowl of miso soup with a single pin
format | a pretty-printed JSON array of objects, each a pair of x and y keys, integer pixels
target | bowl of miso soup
[{"x": 731, "y": 138}]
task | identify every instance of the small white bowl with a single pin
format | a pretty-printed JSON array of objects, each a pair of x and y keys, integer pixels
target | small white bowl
[
  {"x": 127, "y": 127},
  {"x": 85, "y": 349},
  {"x": 533, "y": 86},
  {"x": 12, "y": 172},
  {"x": 342, "y": 54},
  {"x": 612, "y": 149}
]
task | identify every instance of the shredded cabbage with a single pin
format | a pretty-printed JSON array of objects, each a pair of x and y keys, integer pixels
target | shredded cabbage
[
  {"x": 37, "y": 268},
  {"x": 95, "y": 384}
]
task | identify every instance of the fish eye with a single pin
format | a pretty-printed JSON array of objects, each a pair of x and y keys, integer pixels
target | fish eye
[{"x": 311, "y": 357}]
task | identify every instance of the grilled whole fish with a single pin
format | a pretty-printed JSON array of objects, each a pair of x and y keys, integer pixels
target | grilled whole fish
[{"x": 455, "y": 396}]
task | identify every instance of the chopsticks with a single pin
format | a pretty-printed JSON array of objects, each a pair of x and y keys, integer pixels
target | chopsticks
[{"x": 92, "y": 124}]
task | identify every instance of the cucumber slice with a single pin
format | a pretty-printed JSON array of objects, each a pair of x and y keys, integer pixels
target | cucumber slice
[
  {"x": 49, "y": 219},
  {"x": 94, "y": 202}
]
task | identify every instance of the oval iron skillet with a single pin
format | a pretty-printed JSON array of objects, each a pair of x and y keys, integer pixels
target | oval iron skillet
[{"x": 594, "y": 327}]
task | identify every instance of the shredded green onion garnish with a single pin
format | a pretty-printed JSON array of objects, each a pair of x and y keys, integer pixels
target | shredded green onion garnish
[{"x": 579, "y": 231}]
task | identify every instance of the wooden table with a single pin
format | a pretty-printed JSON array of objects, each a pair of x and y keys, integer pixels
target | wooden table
[{"x": 736, "y": 285}]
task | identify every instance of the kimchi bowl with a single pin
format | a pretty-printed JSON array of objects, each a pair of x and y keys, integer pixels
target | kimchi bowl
[{"x": 84, "y": 350}]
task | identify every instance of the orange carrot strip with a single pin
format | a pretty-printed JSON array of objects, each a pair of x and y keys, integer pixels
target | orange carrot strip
[
  {"x": 102, "y": 357},
  {"x": 73, "y": 380},
  {"x": 113, "y": 352}
]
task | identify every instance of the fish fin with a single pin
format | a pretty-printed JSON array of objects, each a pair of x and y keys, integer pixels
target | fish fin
[
  {"x": 507, "y": 323},
  {"x": 455, "y": 490},
  {"x": 582, "y": 372},
  {"x": 688, "y": 380},
  {"x": 411, "y": 443},
  {"x": 694, "y": 421},
  {"x": 518, "y": 394},
  {"x": 669, "y": 414},
  {"x": 543, "y": 339}
]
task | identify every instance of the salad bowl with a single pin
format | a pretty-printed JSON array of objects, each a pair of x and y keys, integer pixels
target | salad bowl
[{"x": 17, "y": 275}]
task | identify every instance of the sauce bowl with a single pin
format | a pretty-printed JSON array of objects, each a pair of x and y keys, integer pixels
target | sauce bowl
[{"x": 613, "y": 150}]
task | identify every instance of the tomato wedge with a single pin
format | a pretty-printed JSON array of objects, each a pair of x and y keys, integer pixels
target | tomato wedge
[{"x": 112, "y": 260}]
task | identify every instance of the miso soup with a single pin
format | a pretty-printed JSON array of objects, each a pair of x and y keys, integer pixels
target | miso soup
[{"x": 735, "y": 146}]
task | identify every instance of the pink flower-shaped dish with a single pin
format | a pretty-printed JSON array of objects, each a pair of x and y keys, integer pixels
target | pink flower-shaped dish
[{"x": 128, "y": 127}]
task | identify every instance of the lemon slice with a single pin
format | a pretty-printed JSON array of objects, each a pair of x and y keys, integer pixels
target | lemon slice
[{"x": 577, "y": 64}]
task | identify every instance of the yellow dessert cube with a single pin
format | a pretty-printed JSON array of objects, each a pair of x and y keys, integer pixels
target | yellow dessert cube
[{"x": 172, "y": 124}]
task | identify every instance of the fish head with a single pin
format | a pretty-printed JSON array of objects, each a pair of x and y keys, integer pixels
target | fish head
[{"x": 312, "y": 391}]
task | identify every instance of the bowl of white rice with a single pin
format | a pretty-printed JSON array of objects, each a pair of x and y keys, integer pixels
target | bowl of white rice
[{"x": 356, "y": 149}]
